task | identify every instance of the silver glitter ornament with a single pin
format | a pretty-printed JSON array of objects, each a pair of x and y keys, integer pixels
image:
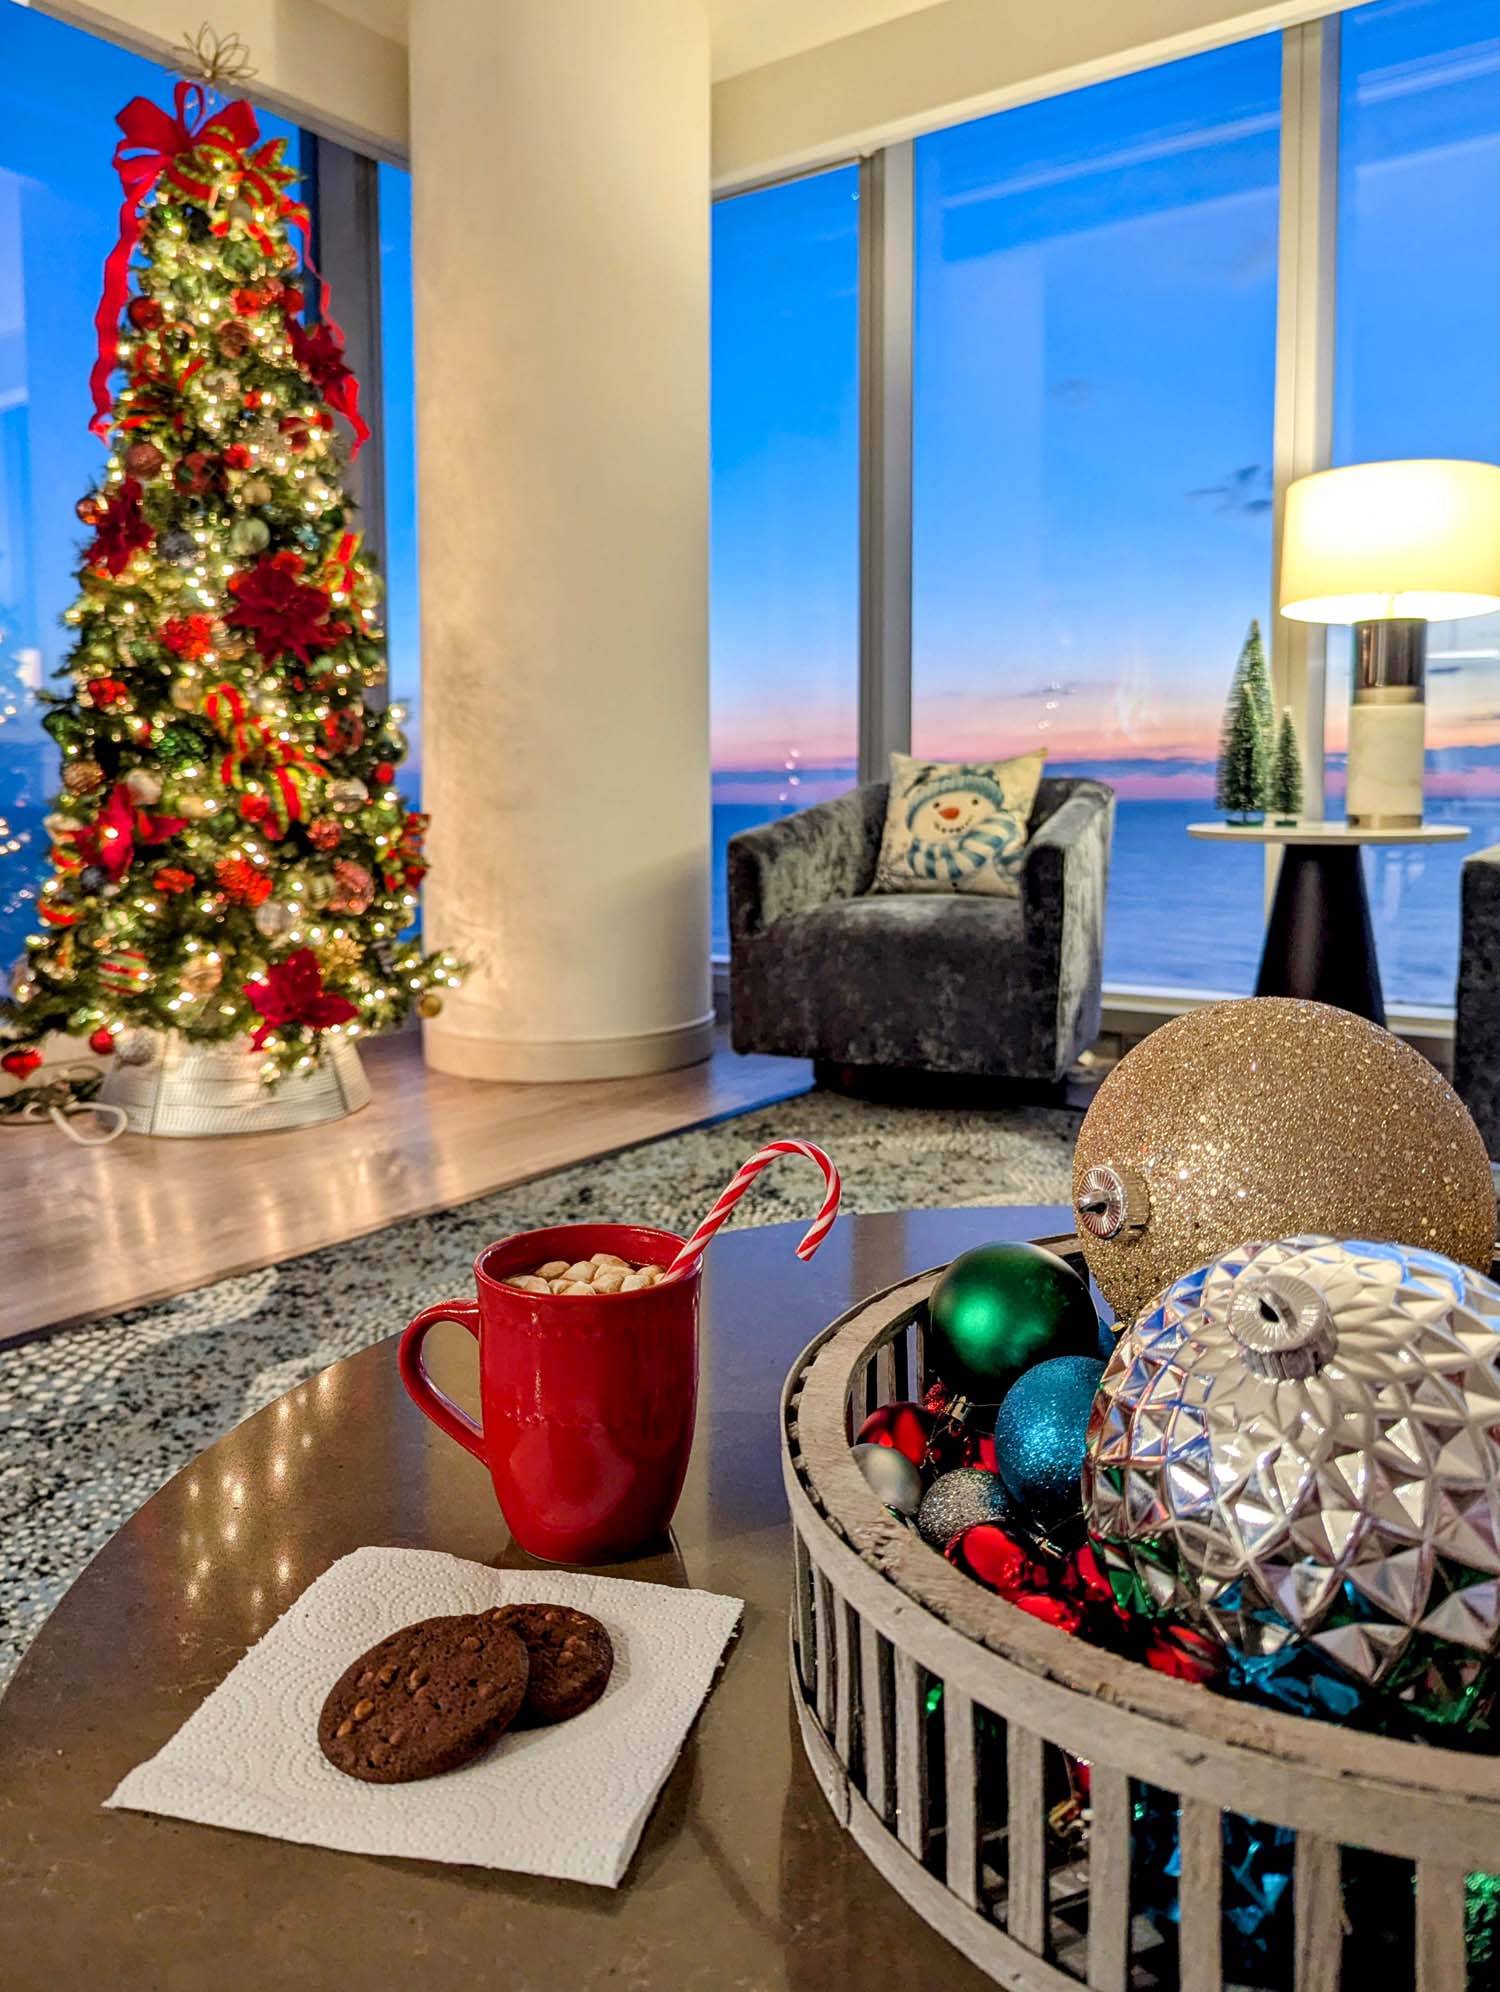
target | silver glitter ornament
[
  {"x": 135, "y": 1047},
  {"x": 892, "y": 1478},
  {"x": 1300, "y": 1442},
  {"x": 1265, "y": 1117},
  {"x": 958, "y": 1500},
  {"x": 274, "y": 918},
  {"x": 346, "y": 793},
  {"x": 144, "y": 787}
]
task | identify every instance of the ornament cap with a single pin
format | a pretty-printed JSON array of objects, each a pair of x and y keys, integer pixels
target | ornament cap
[
  {"x": 1282, "y": 1323},
  {"x": 1112, "y": 1201}
]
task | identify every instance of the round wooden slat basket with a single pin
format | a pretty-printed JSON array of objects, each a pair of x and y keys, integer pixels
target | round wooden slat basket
[{"x": 878, "y": 1619}]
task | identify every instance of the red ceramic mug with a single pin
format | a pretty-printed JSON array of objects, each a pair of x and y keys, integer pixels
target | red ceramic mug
[{"x": 587, "y": 1400}]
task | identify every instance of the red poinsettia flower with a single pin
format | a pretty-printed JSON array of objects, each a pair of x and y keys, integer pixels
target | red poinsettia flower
[
  {"x": 237, "y": 457},
  {"x": 283, "y": 613},
  {"x": 172, "y": 879},
  {"x": 110, "y": 840},
  {"x": 188, "y": 636},
  {"x": 107, "y": 692},
  {"x": 120, "y": 529},
  {"x": 320, "y": 354},
  {"x": 293, "y": 993}
]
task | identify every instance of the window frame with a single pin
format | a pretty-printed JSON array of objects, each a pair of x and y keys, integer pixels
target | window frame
[{"x": 1302, "y": 428}]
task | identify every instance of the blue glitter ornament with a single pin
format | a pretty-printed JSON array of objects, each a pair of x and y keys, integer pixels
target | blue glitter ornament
[{"x": 1039, "y": 1438}]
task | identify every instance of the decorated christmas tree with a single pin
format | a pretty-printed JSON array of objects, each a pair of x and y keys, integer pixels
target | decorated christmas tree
[
  {"x": 1245, "y": 741},
  {"x": 1286, "y": 771},
  {"x": 230, "y": 855}
]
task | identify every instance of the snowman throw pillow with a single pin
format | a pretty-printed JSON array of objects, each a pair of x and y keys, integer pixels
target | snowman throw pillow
[{"x": 954, "y": 826}]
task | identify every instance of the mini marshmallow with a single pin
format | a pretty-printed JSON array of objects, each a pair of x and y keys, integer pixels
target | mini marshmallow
[
  {"x": 608, "y": 1280},
  {"x": 553, "y": 1270},
  {"x": 529, "y": 1283},
  {"x": 581, "y": 1269}
]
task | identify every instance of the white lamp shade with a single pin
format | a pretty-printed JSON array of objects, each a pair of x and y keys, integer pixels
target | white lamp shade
[{"x": 1417, "y": 538}]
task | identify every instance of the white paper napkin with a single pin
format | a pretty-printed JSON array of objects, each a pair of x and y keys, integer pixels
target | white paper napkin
[{"x": 569, "y": 1801}]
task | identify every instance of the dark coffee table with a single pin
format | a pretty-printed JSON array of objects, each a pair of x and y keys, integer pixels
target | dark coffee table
[{"x": 743, "y": 1879}]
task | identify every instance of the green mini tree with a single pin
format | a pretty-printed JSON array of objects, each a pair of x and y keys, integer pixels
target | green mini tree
[
  {"x": 1242, "y": 761},
  {"x": 1286, "y": 771},
  {"x": 230, "y": 855},
  {"x": 1243, "y": 784}
]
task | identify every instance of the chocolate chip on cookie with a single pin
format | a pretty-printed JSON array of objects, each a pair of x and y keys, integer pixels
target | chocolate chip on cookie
[
  {"x": 425, "y": 1699},
  {"x": 571, "y": 1660}
]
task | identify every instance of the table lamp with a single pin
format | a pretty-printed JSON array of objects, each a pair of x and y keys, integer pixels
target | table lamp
[{"x": 1390, "y": 547}]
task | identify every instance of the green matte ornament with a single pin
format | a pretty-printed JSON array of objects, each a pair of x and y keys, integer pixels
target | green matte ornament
[{"x": 1001, "y": 1308}]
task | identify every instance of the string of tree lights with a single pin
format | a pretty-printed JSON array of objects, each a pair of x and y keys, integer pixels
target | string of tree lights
[{"x": 229, "y": 854}]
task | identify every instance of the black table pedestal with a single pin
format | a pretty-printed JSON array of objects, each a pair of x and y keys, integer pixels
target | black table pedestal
[{"x": 1319, "y": 941}]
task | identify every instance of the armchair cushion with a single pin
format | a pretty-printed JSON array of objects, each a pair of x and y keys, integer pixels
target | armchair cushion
[{"x": 956, "y": 826}]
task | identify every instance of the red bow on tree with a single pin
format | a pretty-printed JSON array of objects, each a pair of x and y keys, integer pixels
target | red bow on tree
[
  {"x": 283, "y": 612},
  {"x": 293, "y": 993},
  {"x": 157, "y": 144},
  {"x": 110, "y": 840},
  {"x": 320, "y": 354},
  {"x": 119, "y": 529}
]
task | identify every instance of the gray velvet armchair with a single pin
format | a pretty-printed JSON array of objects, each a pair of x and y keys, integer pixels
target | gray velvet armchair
[
  {"x": 1476, "y": 1035},
  {"x": 821, "y": 968}
]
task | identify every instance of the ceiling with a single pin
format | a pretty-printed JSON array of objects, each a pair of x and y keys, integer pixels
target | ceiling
[{"x": 746, "y": 33}]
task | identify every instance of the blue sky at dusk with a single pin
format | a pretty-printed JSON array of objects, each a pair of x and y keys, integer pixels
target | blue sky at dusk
[{"x": 1095, "y": 343}]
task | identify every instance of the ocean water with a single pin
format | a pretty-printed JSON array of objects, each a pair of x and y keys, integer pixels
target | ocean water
[
  {"x": 1182, "y": 915},
  {"x": 1188, "y": 915}
]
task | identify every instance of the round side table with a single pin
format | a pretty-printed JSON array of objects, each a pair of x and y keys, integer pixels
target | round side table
[{"x": 1319, "y": 942}]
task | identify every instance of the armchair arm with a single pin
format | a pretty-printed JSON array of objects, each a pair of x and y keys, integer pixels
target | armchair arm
[
  {"x": 1064, "y": 877},
  {"x": 1476, "y": 1035},
  {"x": 823, "y": 853}
]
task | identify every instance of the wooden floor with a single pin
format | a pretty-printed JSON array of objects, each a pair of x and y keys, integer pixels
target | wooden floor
[{"x": 84, "y": 1231}]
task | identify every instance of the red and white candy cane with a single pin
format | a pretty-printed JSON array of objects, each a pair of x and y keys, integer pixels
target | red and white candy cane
[{"x": 743, "y": 1177}]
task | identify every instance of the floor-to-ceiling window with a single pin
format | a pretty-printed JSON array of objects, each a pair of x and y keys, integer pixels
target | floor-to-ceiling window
[
  {"x": 785, "y": 548},
  {"x": 59, "y": 216},
  {"x": 1416, "y": 376},
  {"x": 1095, "y": 293}
]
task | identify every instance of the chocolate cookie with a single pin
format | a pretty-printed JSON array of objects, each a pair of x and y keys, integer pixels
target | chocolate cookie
[
  {"x": 571, "y": 1660},
  {"x": 424, "y": 1700}
]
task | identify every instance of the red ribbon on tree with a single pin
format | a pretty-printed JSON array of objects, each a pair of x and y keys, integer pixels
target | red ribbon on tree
[
  {"x": 157, "y": 145},
  {"x": 252, "y": 739}
]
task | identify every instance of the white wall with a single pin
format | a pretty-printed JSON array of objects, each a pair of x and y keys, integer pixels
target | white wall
[{"x": 317, "y": 67}]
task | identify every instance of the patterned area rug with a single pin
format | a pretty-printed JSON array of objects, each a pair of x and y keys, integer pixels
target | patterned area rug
[{"x": 94, "y": 1419}]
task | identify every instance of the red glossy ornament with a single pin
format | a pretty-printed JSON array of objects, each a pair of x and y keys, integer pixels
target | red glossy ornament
[
  {"x": 102, "y": 1041},
  {"x": 21, "y": 1062},
  {"x": 1050, "y": 1610},
  {"x": 1183, "y": 1652},
  {"x": 907, "y": 1427},
  {"x": 587, "y": 1401},
  {"x": 1083, "y": 1578},
  {"x": 993, "y": 1557}
]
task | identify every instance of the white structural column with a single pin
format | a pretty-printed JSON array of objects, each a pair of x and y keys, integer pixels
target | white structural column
[{"x": 560, "y": 157}]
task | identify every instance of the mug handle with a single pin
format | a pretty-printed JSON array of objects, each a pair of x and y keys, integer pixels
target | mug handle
[{"x": 420, "y": 1388}]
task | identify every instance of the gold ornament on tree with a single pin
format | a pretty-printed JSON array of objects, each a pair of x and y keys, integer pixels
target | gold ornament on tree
[
  {"x": 1264, "y": 1118},
  {"x": 82, "y": 777},
  {"x": 429, "y": 1004},
  {"x": 201, "y": 977},
  {"x": 340, "y": 956}
]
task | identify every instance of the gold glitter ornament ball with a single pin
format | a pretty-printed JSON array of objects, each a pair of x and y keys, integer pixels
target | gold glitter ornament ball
[{"x": 1259, "y": 1119}]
